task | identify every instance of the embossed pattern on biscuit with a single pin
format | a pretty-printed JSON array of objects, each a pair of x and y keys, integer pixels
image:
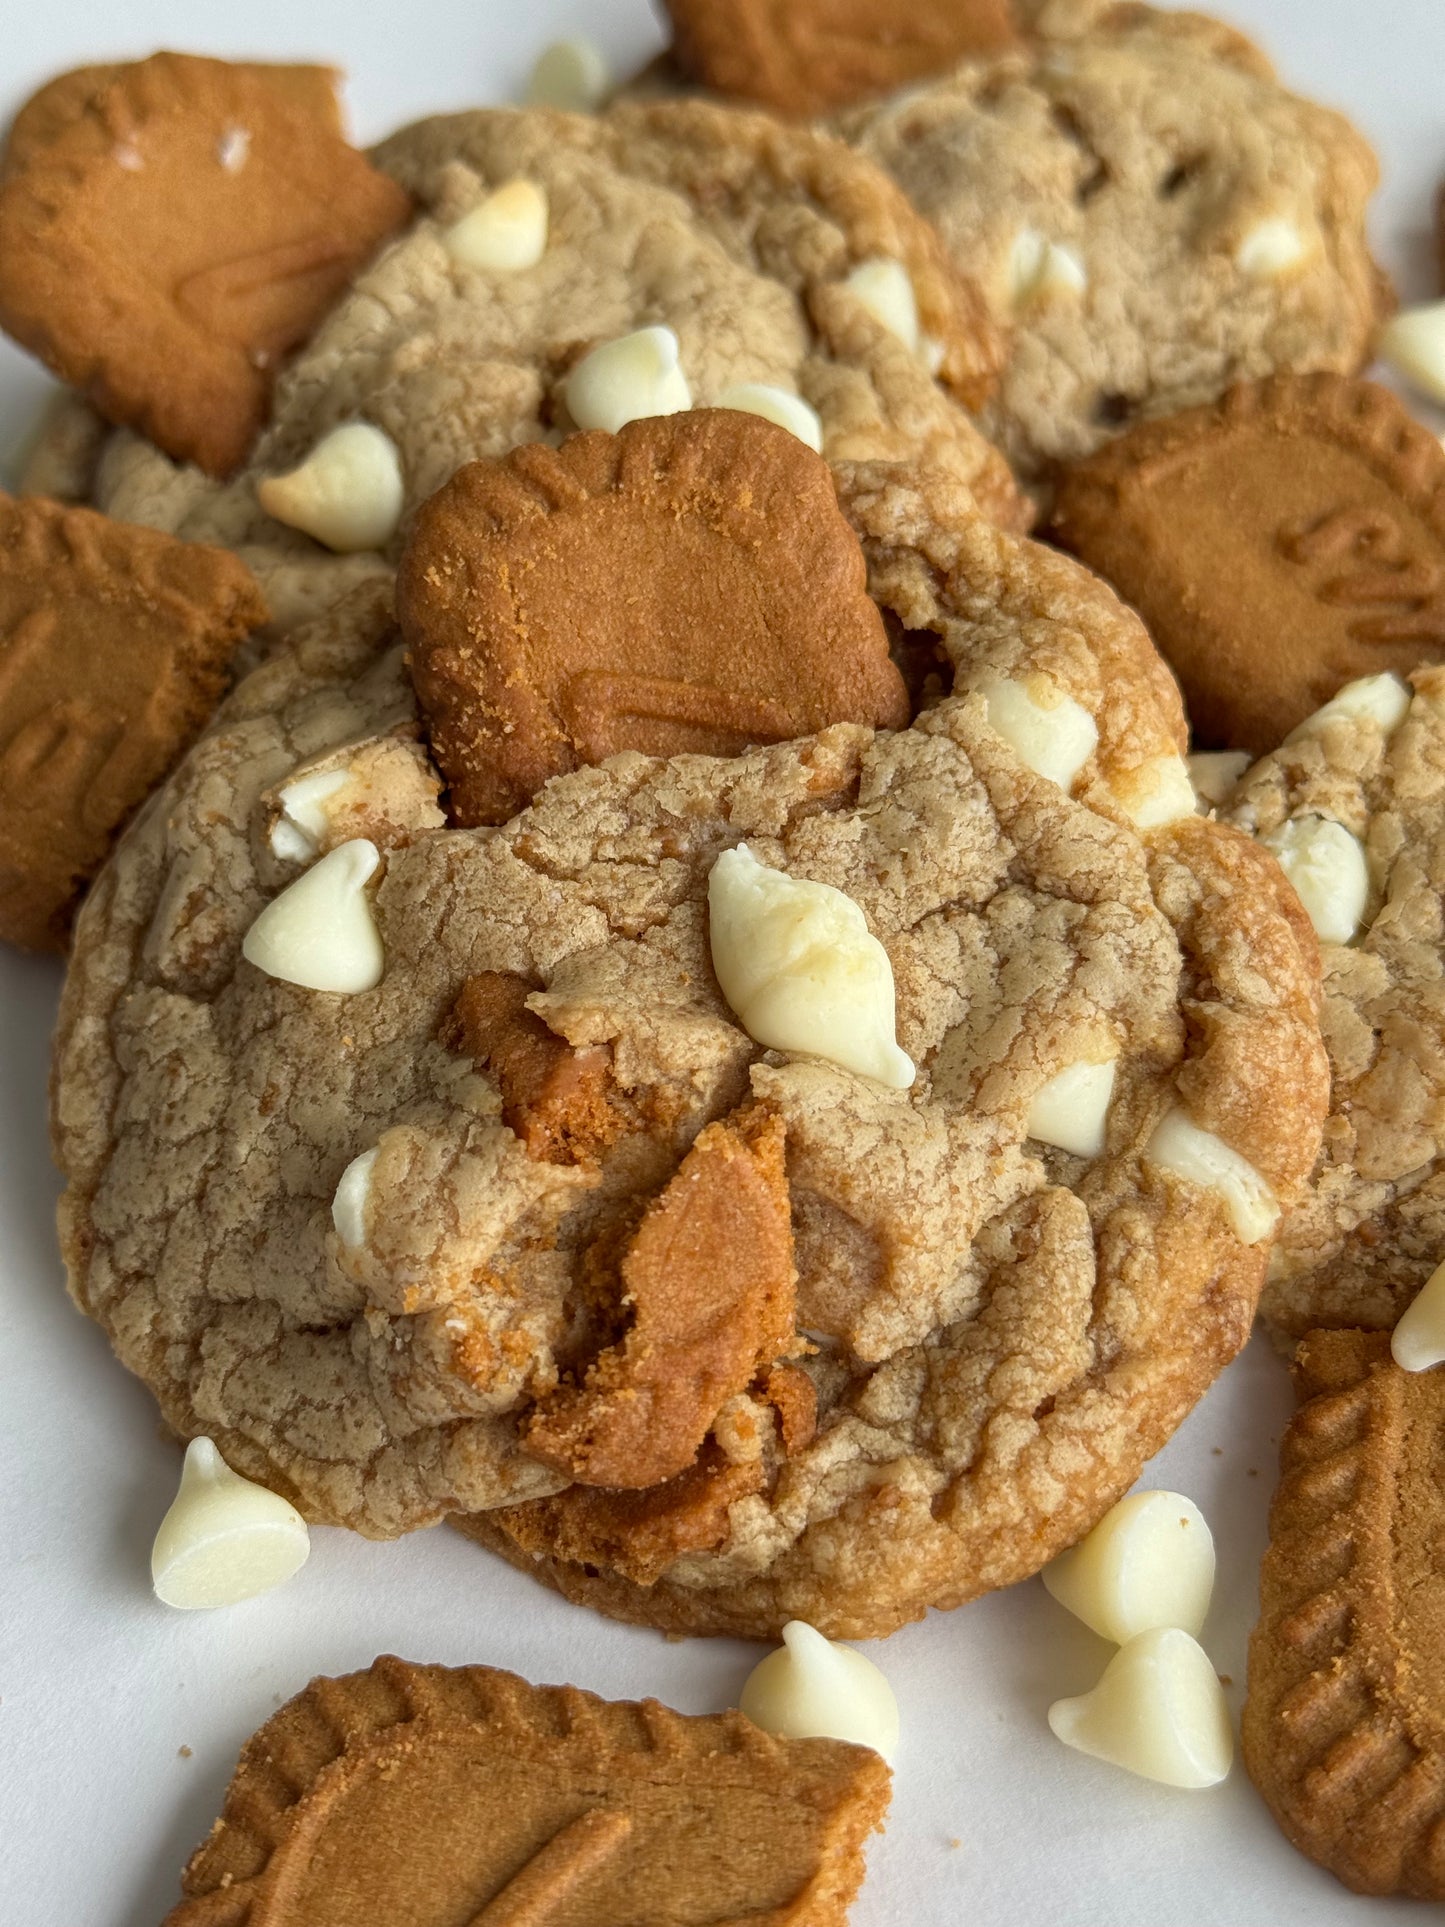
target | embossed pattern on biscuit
[
  {"x": 429, "y": 1793},
  {"x": 1344, "y": 1726}
]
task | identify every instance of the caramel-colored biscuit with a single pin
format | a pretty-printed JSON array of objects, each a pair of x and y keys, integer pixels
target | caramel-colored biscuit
[
  {"x": 687, "y": 585},
  {"x": 1344, "y": 1727},
  {"x": 180, "y": 230},
  {"x": 432, "y": 1793},
  {"x": 1278, "y": 544},
  {"x": 114, "y": 643},
  {"x": 803, "y": 57}
]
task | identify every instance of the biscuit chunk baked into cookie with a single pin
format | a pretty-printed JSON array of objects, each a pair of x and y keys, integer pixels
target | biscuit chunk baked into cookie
[
  {"x": 406, "y": 1227},
  {"x": 1148, "y": 210}
]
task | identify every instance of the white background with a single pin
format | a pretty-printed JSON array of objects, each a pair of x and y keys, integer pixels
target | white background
[{"x": 993, "y": 1822}]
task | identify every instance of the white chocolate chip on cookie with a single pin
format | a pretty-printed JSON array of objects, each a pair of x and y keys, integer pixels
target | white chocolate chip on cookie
[
  {"x": 1040, "y": 269},
  {"x": 886, "y": 291},
  {"x": 1156, "y": 793},
  {"x": 572, "y": 75},
  {"x": 1148, "y": 1562},
  {"x": 1072, "y": 1109},
  {"x": 353, "y": 1197},
  {"x": 628, "y": 379},
  {"x": 1329, "y": 871},
  {"x": 1418, "y": 1340},
  {"x": 776, "y": 405},
  {"x": 1052, "y": 734},
  {"x": 1179, "y": 1147},
  {"x": 224, "y": 1538},
  {"x": 320, "y": 932},
  {"x": 1159, "y": 1711},
  {"x": 1414, "y": 345},
  {"x": 799, "y": 966},
  {"x": 1382, "y": 700},
  {"x": 1214, "y": 773},
  {"x": 298, "y": 832},
  {"x": 504, "y": 233},
  {"x": 1273, "y": 248},
  {"x": 813, "y": 1689},
  {"x": 348, "y": 493}
]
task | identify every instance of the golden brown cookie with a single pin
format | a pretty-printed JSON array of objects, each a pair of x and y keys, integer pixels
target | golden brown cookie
[
  {"x": 114, "y": 646},
  {"x": 1278, "y": 544},
  {"x": 805, "y": 57},
  {"x": 1344, "y": 1726},
  {"x": 687, "y": 585},
  {"x": 170, "y": 236},
  {"x": 431, "y": 1793}
]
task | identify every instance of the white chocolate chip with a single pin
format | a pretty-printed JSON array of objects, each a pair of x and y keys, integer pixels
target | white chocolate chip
[
  {"x": 1072, "y": 1109},
  {"x": 812, "y": 1688},
  {"x": 1383, "y": 700},
  {"x": 776, "y": 405},
  {"x": 353, "y": 1196},
  {"x": 572, "y": 75},
  {"x": 799, "y": 966},
  {"x": 127, "y": 156},
  {"x": 932, "y": 353},
  {"x": 1329, "y": 871},
  {"x": 1148, "y": 1562},
  {"x": 299, "y": 831},
  {"x": 224, "y": 1539},
  {"x": 232, "y": 149},
  {"x": 1414, "y": 345},
  {"x": 1179, "y": 1147},
  {"x": 886, "y": 290},
  {"x": 504, "y": 233},
  {"x": 1272, "y": 248},
  {"x": 628, "y": 379},
  {"x": 1040, "y": 270},
  {"x": 1215, "y": 772},
  {"x": 1049, "y": 731},
  {"x": 320, "y": 932},
  {"x": 1155, "y": 793},
  {"x": 1158, "y": 1710},
  {"x": 1418, "y": 1341},
  {"x": 348, "y": 493}
]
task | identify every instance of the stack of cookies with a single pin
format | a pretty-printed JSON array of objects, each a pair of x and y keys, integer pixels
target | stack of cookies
[{"x": 693, "y": 1017}]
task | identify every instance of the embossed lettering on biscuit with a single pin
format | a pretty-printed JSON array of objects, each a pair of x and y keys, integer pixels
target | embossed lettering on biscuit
[
  {"x": 1148, "y": 1562},
  {"x": 224, "y": 1538},
  {"x": 504, "y": 233},
  {"x": 348, "y": 493},
  {"x": 1329, "y": 871},
  {"x": 1159, "y": 1711},
  {"x": 627, "y": 380},
  {"x": 320, "y": 932},
  {"x": 1181, "y": 1148},
  {"x": 812, "y": 1688},
  {"x": 1052, "y": 734}
]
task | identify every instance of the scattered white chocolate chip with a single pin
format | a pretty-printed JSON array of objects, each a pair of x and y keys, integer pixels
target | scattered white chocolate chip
[
  {"x": 224, "y": 1539},
  {"x": 776, "y": 405},
  {"x": 1214, "y": 772},
  {"x": 812, "y": 1688},
  {"x": 799, "y": 966},
  {"x": 1329, "y": 871},
  {"x": 1179, "y": 1147},
  {"x": 232, "y": 149},
  {"x": 570, "y": 74},
  {"x": 126, "y": 156},
  {"x": 1271, "y": 249},
  {"x": 348, "y": 493},
  {"x": 1156, "y": 792},
  {"x": 1040, "y": 269},
  {"x": 353, "y": 1195},
  {"x": 505, "y": 232},
  {"x": 1418, "y": 1341},
  {"x": 1414, "y": 345},
  {"x": 1051, "y": 733},
  {"x": 1072, "y": 1109},
  {"x": 1148, "y": 1562},
  {"x": 320, "y": 932},
  {"x": 625, "y": 380},
  {"x": 932, "y": 353},
  {"x": 1158, "y": 1710},
  {"x": 1383, "y": 700},
  {"x": 297, "y": 834},
  {"x": 886, "y": 290}
]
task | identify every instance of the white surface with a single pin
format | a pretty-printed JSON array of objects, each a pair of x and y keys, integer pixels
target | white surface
[{"x": 994, "y": 1823}]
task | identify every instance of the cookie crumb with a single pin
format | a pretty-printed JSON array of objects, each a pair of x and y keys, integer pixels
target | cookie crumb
[{"x": 184, "y": 1753}]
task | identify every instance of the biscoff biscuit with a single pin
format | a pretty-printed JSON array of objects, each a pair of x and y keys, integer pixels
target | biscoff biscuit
[
  {"x": 169, "y": 236},
  {"x": 1279, "y": 543},
  {"x": 114, "y": 645}
]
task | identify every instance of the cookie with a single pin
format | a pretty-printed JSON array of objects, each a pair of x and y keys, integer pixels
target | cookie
[
  {"x": 995, "y": 1331},
  {"x": 463, "y": 1793},
  {"x": 170, "y": 230},
  {"x": 1372, "y": 1228},
  {"x": 736, "y": 233},
  {"x": 1344, "y": 1726},
  {"x": 624, "y": 593},
  {"x": 114, "y": 649},
  {"x": 818, "y": 56},
  {"x": 1148, "y": 210}
]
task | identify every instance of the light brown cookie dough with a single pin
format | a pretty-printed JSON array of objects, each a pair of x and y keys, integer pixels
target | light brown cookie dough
[
  {"x": 738, "y": 234},
  {"x": 1372, "y": 1228},
  {"x": 996, "y": 1333},
  {"x": 1147, "y": 209}
]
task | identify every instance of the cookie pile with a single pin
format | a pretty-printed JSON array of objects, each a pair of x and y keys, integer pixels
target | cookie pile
[{"x": 685, "y": 1013}]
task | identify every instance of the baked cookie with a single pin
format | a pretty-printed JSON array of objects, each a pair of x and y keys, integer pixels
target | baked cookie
[
  {"x": 367, "y": 1241},
  {"x": 1148, "y": 210},
  {"x": 463, "y": 1793},
  {"x": 1354, "y": 803},
  {"x": 736, "y": 233},
  {"x": 1344, "y": 1727}
]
